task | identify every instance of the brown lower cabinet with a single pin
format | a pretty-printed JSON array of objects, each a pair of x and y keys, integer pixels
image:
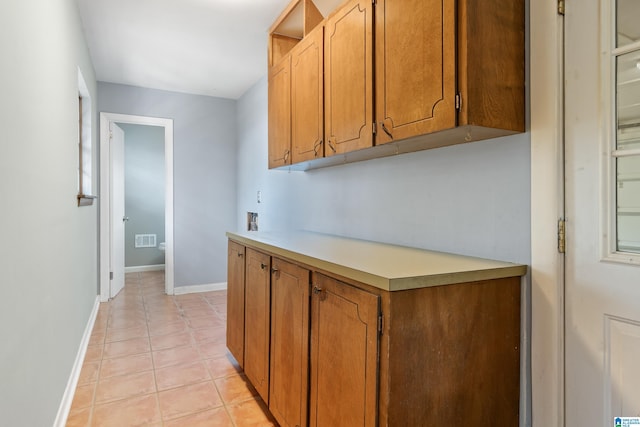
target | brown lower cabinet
[
  {"x": 344, "y": 354},
  {"x": 326, "y": 351},
  {"x": 257, "y": 317},
  {"x": 235, "y": 301},
  {"x": 289, "y": 343}
]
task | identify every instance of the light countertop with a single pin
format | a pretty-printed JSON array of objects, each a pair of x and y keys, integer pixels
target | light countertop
[{"x": 384, "y": 266}]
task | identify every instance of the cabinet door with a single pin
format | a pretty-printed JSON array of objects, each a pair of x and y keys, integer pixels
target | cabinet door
[
  {"x": 349, "y": 78},
  {"x": 289, "y": 343},
  {"x": 307, "y": 124},
  {"x": 279, "y": 110},
  {"x": 344, "y": 355},
  {"x": 257, "y": 325},
  {"x": 415, "y": 68},
  {"x": 235, "y": 301}
]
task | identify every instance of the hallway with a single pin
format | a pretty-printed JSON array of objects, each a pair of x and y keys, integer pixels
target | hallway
[{"x": 158, "y": 360}]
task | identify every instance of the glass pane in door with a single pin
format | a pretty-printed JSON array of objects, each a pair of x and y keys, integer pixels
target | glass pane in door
[
  {"x": 628, "y": 29},
  {"x": 628, "y": 150}
]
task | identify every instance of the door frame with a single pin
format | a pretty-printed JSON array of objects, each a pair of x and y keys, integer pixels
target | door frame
[
  {"x": 105, "y": 203},
  {"x": 546, "y": 94}
]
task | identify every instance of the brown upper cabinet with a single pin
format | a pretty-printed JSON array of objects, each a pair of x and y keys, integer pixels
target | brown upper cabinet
[
  {"x": 415, "y": 66},
  {"x": 296, "y": 129},
  {"x": 446, "y": 72},
  {"x": 279, "y": 106},
  {"x": 307, "y": 128},
  {"x": 435, "y": 72},
  {"x": 296, "y": 84},
  {"x": 349, "y": 78}
]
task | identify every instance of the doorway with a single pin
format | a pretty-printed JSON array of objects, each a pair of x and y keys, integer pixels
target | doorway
[
  {"x": 144, "y": 237},
  {"x": 108, "y": 263}
]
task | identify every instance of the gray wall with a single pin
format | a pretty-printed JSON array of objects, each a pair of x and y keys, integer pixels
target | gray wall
[
  {"x": 204, "y": 173},
  {"x": 144, "y": 191},
  {"x": 48, "y": 255}
]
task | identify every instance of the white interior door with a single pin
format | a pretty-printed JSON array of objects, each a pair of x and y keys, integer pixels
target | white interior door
[
  {"x": 118, "y": 218},
  {"x": 602, "y": 294}
]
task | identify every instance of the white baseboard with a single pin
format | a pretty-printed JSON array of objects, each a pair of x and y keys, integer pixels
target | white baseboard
[
  {"x": 67, "y": 397},
  {"x": 141, "y": 268},
  {"x": 192, "y": 289}
]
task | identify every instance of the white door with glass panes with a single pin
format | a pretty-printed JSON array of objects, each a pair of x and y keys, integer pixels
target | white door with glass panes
[{"x": 602, "y": 184}]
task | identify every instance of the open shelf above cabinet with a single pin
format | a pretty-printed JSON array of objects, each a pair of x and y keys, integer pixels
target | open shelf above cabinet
[{"x": 297, "y": 20}]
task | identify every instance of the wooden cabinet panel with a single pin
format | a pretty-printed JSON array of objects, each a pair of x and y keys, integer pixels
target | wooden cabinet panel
[
  {"x": 349, "y": 78},
  {"x": 289, "y": 343},
  {"x": 415, "y": 68},
  {"x": 344, "y": 355},
  {"x": 462, "y": 343},
  {"x": 235, "y": 301},
  {"x": 279, "y": 111},
  {"x": 307, "y": 123},
  {"x": 491, "y": 79},
  {"x": 257, "y": 320}
]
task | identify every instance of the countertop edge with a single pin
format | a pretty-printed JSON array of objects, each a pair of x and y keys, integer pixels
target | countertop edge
[{"x": 384, "y": 283}]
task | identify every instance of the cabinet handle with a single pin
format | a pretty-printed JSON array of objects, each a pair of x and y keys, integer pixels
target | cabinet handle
[
  {"x": 263, "y": 266},
  {"x": 384, "y": 128},
  {"x": 316, "y": 146},
  {"x": 320, "y": 293},
  {"x": 240, "y": 254}
]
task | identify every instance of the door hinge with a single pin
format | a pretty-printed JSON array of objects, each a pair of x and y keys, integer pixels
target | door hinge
[
  {"x": 458, "y": 101},
  {"x": 111, "y": 275},
  {"x": 561, "y": 7},
  {"x": 374, "y": 128},
  {"x": 562, "y": 236},
  {"x": 380, "y": 323},
  {"x": 110, "y": 134}
]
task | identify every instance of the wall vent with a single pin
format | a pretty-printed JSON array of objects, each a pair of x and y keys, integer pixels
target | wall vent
[{"x": 145, "y": 241}]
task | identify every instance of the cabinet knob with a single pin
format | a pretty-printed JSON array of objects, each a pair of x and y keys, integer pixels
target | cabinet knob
[
  {"x": 240, "y": 254},
  {"x": 316, "y": 290},
  {"x": 263, "y": 266}
]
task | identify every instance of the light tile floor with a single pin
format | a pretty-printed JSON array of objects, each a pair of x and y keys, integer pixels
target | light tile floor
[{"x": 158, "y": 360}]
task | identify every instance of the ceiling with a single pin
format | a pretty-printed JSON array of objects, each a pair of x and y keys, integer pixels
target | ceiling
[{"x": 206, "y": 47}]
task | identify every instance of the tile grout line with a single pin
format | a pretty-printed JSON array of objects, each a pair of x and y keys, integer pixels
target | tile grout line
[{"x": 153, "y": 362}]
